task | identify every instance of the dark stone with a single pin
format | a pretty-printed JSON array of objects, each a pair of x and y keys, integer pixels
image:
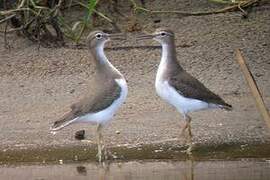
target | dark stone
[
  {"x": 81, "y": 170},
  {"x": 157, "y": 21},
  {"x": 80, "y": 135},
  {"x": 72, "y": 91}
]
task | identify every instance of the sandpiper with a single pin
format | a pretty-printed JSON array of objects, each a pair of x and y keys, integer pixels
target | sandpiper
[
  {"x": 111, "y": 92},
  {"x": 174, "y": 85}
]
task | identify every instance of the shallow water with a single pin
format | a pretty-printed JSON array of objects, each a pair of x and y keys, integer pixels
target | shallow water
[{"x": 169, "y": 170}]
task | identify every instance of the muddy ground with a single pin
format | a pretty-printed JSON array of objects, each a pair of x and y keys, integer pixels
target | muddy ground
[{"x": 37, "y": 86}]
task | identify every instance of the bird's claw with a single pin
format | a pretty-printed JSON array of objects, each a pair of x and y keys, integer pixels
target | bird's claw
[
  {"x": 189, "y": 149},
  {"x": 103, "y": 155},
  {"x": 99, "y": 157}
]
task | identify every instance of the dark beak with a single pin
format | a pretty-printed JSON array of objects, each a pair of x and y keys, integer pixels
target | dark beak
[
  {"x": 118, "y": 36},
  {"x": 145, "y": 36}
]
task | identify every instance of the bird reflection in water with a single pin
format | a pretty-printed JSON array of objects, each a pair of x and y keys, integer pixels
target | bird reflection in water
[
  {"x": 102, "y": 169},
  {"x": 120, "y": 171}
]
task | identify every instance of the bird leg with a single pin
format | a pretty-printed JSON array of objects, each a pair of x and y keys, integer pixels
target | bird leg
[
  {"x": 103, "y": 148},
  {"x": 183, "y": 129},
  {"x": 100, "y": 143},
  {"x": 189, "y": 141},
  {"x": 189, "y": 134}
]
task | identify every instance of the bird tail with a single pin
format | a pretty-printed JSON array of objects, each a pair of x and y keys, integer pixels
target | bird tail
[
  {"x": 226, "y": 106},
  {"x": 66, "y": 120}
]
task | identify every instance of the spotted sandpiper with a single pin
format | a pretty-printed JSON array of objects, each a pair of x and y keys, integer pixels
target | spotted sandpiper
[
  {"x": 174, "y": 85},
  {"x": 111, "y": 92}
]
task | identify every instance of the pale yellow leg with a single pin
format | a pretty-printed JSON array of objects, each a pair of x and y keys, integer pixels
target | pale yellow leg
[
  {"x": 189, "y": 134},
  {"x": 100, "y": 143},
  {"x": 183, "y": 129},
  {"x": 189, "y": 140},
  {"x": 104, "y": 150}
]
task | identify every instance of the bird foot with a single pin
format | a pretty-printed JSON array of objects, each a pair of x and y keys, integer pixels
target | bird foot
[
  {"x": 189, "y": 150},
  {"x": 100, "y": 157},
  {"x": 103, "y": 155},
  {"x": 109, "y": 155}
]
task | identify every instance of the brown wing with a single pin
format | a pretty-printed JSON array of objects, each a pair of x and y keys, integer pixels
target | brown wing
[
  {"x": 190, "y": 87},
  {"x": 103, "y": 98}
]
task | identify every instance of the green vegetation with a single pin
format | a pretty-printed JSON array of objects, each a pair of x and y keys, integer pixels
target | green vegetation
[
  {"x": 50, "y": 22},
  {"x": 43, "y": 21}
]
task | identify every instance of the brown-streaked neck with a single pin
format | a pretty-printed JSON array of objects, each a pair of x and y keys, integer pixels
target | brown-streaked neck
[
  {"x": 169, "y": 56},
  {"x": 103, "y": 65}
]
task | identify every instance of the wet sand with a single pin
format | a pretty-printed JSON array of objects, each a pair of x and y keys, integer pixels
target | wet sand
[{"x": 38, "y": 86}]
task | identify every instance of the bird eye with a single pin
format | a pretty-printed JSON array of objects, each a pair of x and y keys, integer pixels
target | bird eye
[
  {"x": 98, "y": 36},
  {"x": 163, "y": 34}
]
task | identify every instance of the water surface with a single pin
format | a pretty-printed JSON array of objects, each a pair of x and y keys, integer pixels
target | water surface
[{"x": 156, "y": 170}]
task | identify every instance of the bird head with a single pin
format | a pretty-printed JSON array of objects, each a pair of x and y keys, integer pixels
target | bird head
[
  {"x": 162, "y": 35},
  {"x": 99, "y": 38}
]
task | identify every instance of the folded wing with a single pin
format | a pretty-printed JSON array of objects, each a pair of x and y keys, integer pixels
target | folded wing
[
  {"x": 190, "y": 87},
  {"x": 102, "y": 99}
]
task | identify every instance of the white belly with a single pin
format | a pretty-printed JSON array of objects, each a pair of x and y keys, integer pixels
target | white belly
[
  {"x": 169, "y": 94},
  {"x": 105, "y": 115},
  {"x": 181, "y": 103}
]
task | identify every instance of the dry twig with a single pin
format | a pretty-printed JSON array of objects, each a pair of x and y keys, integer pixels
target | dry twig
[
  {"x": 253, "y": 88},
  {"x": 234, "y": 7}
]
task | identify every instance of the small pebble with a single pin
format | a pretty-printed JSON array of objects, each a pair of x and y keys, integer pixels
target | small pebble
[
  {"x": 82, "y": 170},
  {"x": 117, "y": 132},
  {"x": 80, "y": 135},
  {"x": 72, "y": 91},
  {"x": 158, "y": 150},
  {"x": 157, "y": 21}
]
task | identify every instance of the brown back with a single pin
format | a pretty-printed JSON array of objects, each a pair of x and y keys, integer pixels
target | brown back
[{"x": 186, "y": 84}]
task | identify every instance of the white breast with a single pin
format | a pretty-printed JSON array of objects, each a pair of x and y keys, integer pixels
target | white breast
[
  {"x": 105, "y": 115},
  {"x": 181, "y": 103},
  {"x": 169, "y": 93}
]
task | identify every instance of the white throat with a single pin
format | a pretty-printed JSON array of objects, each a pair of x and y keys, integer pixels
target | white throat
[
  {"x": 102, "y": 58},
  {"x": 163, "y": 63}
]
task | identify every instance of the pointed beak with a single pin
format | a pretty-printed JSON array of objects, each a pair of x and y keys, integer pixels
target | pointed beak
[
  {"x": 145, "y": 36},
  {"x": 117, "y": 36}
]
